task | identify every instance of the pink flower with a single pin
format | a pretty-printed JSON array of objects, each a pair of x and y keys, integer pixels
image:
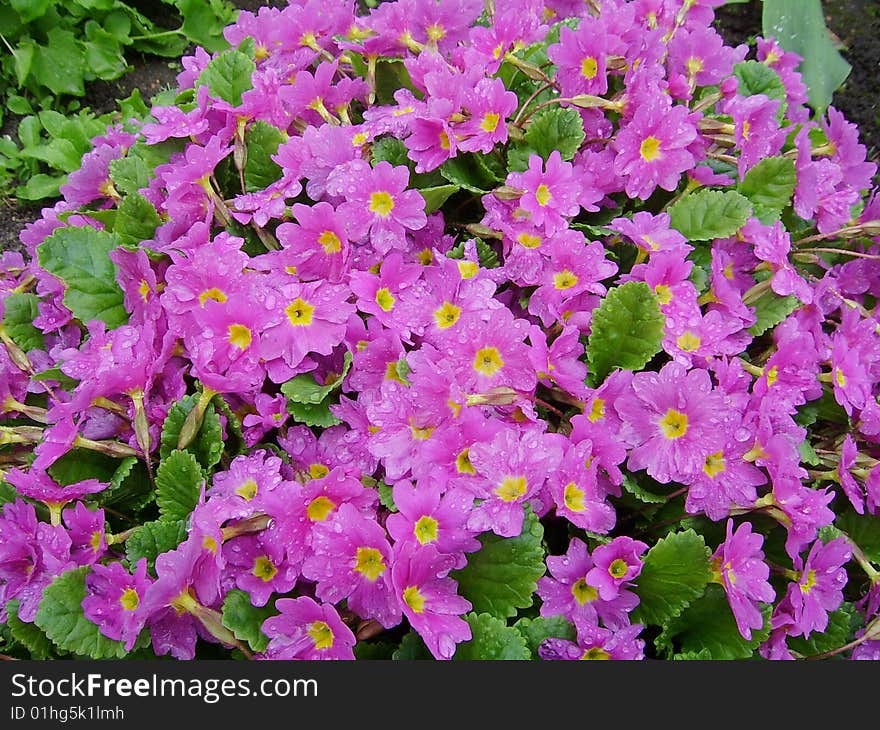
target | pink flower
[
  {"x": 550, "y": 194},
  {"x": 616, "y": 565},
  {"x": 114, "y": 600},
  {"x": 307, "y": 630}
]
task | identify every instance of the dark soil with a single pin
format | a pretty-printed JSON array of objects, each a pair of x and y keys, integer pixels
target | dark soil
[{"x": 855, "y": 22}]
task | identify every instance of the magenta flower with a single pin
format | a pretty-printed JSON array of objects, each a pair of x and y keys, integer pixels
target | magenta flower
[
  {"x": 819, "y": 588},
  {"x": 318, "y": 245},
  {"x": 550, "y": 193},
  {"x": 307, "y": 630},
  {"x": 740, "y": 568},
  {"x": 581, "y": 57},
  {"x": 39, "y": 485},
  {"x": 615, "y": 565},
  {"x": 86, "y": 530},
  {"x": 257, "y": 565},
  {"x": 428, "y": 597},
  {"x": 671, "y": 419},
  {"x": 756, "y": 126},
  {"x": 575, "y": 488},
  {"x": 114, "y": 600},
  {"x": 489, "y": 104},
  {"x": 597, "y": 644},
  {"x": 649, "y": 232}
]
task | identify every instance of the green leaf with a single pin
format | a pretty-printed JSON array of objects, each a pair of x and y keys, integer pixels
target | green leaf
[
  {"x": 130, "y": 487},
  {"x": 770, "y": 310},
  {"x": 863, "y": 530},
  {"x": 836, "y": 634},
  {"x": 29, "y": 10},
  {"x": 39, "y": 187},
  {"x": 203, "y": 22},
  {"x": 79, "y": 256},
  {"x": 535, "y": 630},
  {"x": 60, "y": 154},
  {"x": 309, "y": 401},
  {"x": 244, "y": 619},
  {"x": 129, "y": 174},
  {"x": 391, "y": 150},
  {"x": 675, "y": 573},
  {"x": 502, "y": 575},
  {"x": 769, "y": 186},
  {"x": 799, "y": 26},
  {"x": 207, "y": 446},
  {"x": 374, "y": 650},
  {"x": 104, "y": 57},
  {"x": 436, "y": 196},
  {"x": 492, "y": 639},
  {"x": 79, "y": 464},
  {"x": 486, "y": 255},
  {"x": 136, "y": 220},
  {"x": 758, "y": 78},
  {"x": 707, "y": 214},
  {"x": 60, "y": 65},
  {"x": 61, "y": 616},
  {"x": 179, "y": 479},
  {"x": 313, "y": 414},
  {"x": 260, "y": 170},
  {"x": 19, "y": 312},
  {"x": 553, "y": 129},
  {"x": 30, "y": 636},
  {"x": 228, "y": 76},
  {"x": 411, "y": 647},
  {"x": 707, "y": 627},
  {"x": 470, "y": 173},
  {"x": 152, "y": 539},
  {"x": 627, "y": 330}
]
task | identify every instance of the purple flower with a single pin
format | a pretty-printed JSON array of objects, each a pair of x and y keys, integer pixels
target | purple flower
[
  {"x": 114, "y": 600},
  {"x": 307, "y": 630},
  {"x": 819, "y": 589},
  {"x": 615, "y": 565}
]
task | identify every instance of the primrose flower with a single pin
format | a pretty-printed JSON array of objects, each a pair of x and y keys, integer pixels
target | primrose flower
[
  {"x": 114, "y": 600},
  {"x": 597, "y": 644},
  {"x": 819, "y": 588},
  {"x": 305, "y": 629},
  {"x": 550, "y": 192},
  {"x": 581, "y": 56},
  {"x": 615, "y": 564}
]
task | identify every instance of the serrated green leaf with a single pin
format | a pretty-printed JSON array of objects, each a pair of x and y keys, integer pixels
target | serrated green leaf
[
  {"x": 838, "y": 632},
  {"x": 707, "y": 628},
  {"x": 627, "y": 330},
  {"x": 374, "y": 650},
  {"x": 228, "y": 76},
  {"x": 799, "y": 26},
  {"x": 19, "y": 312},
  {"x": 386, "y": 497},
  {"x": 179, "y": 479},
  {"x": 470, "y": 173},
  {"x": 129, "y": 174},
  {"x": 675, "y": 573},
  {"x": 863, "y": 530},
  {"x": 79, "y": 464},
  {"x": 632, "y": 486},
  {"x": 492, "y": 639},
  {"x": 61, "y": 617},
  {"x": 557, "y": 128},
  {"x": 313, "y": 414},
  {"x": 79, "y": 256},
  {"x": 769, "y": 186},
  {"x": 260, "y": 170},
  {"x": 411, "y": 647},
  {"x": 502, "y": 575},
  {"x": 203, "y": 22},
  {"x": 707, "y": 214},
  {"x": 207, "y": 446},
  {"x": 7, "y": 493},
  {"x": 770, "y": 310},
  {"x": 130, "y": 487},
  {"x": 436, "y": 196},
  {"x": 486, "y": 255},
  {"x": 30, "y": 636},
  {"x": 152, "y": 539},
  {"x": 103, "y": 53},
  {"x": 40, "y": 186},
  {"x": 136, "y": 219},
  {"x": 245, "y": 620},
  {"x": 305, "y": 389},
  {"x": 535, "y": 630},
  {"x": 60, "y": 154},
  {"x": 758, "y": 78},
  {"x": 60, "y": 65},
  {"x": 391, "y": 150}
]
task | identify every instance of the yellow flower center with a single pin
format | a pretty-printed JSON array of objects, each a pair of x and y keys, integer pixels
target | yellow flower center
[
  {"x": 807, "y": 585},
  {"x": 239, "y": 336},
  {"x": 413, "y": 598},
  {"x": 129, "y": 599},
  {"x": 435, "y": 32},
  {"x": 381, "y": 203},
  {"x": 565, "y": 279},
  {"x": 144, "y": 289},
  {"x": 421, "y": 433},
  {"x": 385, "y": 299},
  {"x": 248, "y": 490},
  {"x": 664, "y": 294},
  {"x": 444, "y": 140},
  {"x": 512, "y": 488},
  {"x": 426, "y": 529},
  {"x": 300, "y": 313},
  {"x": 529, "y": 240},
  {"x": 589, "y": 68},
  {"x": 597, "y": 653},
  {"x": 463, "y": 463},
  {"x": 319, "y": 508},
  {"x": 772, "y": 375},
  {"x": 674, "y": 424},
  {"x": 715, "y": 464},
  {"x": 543, "y": 195},
  {"x": 321, "y": 634},
  {"x": 650, "y": 149},
  {"x": 597, "y": 410},
  {"x": 573, "y": 496},
  {"x": 488, "y": 361},
  {"x": 840, "y": 377},
  {"x": 618, "y": 568},
  {"x": 468, "y": 269},
  {"x": 582, "y": 592},
  {"x": 330, "y": 242},
  {"x": 490, "y": 122},
  {"x": 746, "y": 130},
  {"x": 689, "y": 342},
  {"x": 317, "y": 471},
  {"x": 369, "y": 563},
  {"x": 264, "y": 569},
  {"x": 212, "y": 293},
  {"x": 694, "y": 65},
  {"x": 447, "y": 315}
]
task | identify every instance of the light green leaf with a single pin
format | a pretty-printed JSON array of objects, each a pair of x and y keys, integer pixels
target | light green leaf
[
  {"x": 245, "y": 620},
  {"x": 632, "y": 486},
  {"x": 136, "y": 220},
  {"x": 39, "y": 187},
  {"x": 305, "y": 389},
  {"x": 19, "y": 312},
  {"x": 769, "y": 186},
  {"x": 707, "y": 214},
  {"x": 627, "y": 330},
  {"x": 391, "y": 150},
  {"x": 758, "y": 78},
  {"x": 152, "y": 539},
  {"x": 492, "y": 639},
  {"x": 228, "y": 76},
  {"x": 502, "y": 575},
  {"x": 207, "y": 446},
  {"x": 79, "y": 256},
  {"x": 178, "y": 482},
  {"x": 61, "y": 617},
  {"x": 60, "y": 65},
  {"x": 535, "y": 630},
  {"x": 129, "y": 174},
  {"x": 203, "y": 22},
  {"x": 30, "y": 636},
  {"x": 675, "y": 573},
  {"x": 313, "y": 414},
  {"x": 436, "y": 196},
  {"x": 707, "y": 628},
  {"x": 799, "y": 26},
  {"x": 770, "y": 310},
  {"x": 556, "y": 128},
  {"x": 260, "y": 170}
]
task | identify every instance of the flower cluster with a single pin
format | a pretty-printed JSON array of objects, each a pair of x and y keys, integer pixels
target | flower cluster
[{"x": 376, "y": 319}]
